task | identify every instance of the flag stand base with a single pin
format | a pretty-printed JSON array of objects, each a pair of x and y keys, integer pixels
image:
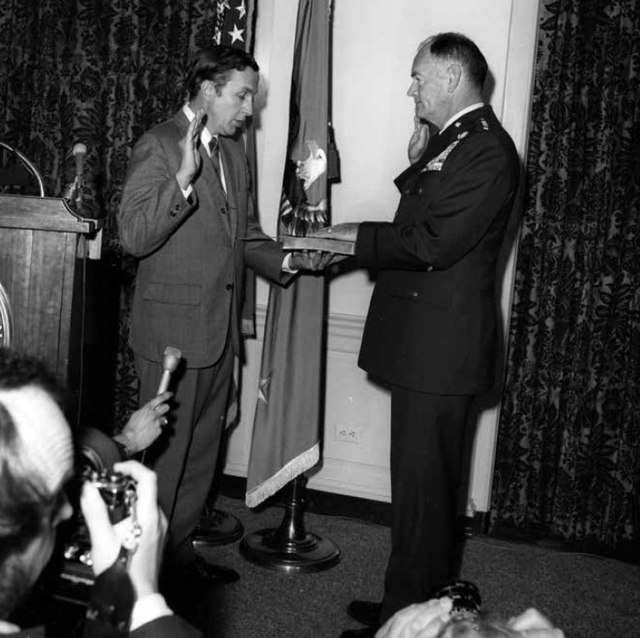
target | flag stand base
[{"x": 290, "y": 548}]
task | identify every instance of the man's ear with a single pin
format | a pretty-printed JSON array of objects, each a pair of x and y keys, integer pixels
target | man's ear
[
  {"x": 208, "y": 88},
  {"x": 454, "y": 74}
]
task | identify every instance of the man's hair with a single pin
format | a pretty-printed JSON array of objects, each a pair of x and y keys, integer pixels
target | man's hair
[
  {"x": 216, "y": 65},
  {"x": 459, "y": 48},
  {"x": 26, "y": 505}
]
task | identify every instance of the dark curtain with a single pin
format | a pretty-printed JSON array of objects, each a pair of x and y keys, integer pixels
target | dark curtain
[
  {"x": 100, "y": 72},
  {"x": 568, "y": 454}
]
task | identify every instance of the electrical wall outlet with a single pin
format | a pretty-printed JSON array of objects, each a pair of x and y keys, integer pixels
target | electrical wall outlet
[{"x": 348, "y": 434}]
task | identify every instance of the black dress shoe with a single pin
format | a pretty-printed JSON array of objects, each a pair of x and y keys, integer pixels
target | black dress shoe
[
  {"x": 366, "y": 612},
  {"x": 365, "y": 632},
  {"x": 217, "y": 527},
  {"x": 210, "y": 574}
]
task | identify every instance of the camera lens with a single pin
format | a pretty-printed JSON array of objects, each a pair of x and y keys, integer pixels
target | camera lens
[
  {"x": 116, "y": 490},
  {"x": 465, "y": 596}
]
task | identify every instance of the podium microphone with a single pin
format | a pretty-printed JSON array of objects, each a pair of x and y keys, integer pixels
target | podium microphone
[
  {"x": 79, "y": 151},
  {"x": 170, "y": 363}
]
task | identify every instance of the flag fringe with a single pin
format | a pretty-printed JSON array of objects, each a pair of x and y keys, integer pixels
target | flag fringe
[{"x": 291, "y": 470}]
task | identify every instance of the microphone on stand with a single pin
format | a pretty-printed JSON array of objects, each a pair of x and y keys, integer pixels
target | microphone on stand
[
  {"x": 79, "y": 151},
  {"x": 170, "y": 363}
]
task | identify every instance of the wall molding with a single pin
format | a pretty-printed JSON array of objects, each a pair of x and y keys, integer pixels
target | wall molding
[{"x": 344, "y": 332}]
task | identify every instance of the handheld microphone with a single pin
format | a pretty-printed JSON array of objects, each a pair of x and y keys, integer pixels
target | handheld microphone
[{"x": 170, "y": 363}]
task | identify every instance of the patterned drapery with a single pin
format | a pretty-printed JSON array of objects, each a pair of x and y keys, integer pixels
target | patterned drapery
[
  {"x": 568, "y": 455},
  {"x": 101, "y": 73}
]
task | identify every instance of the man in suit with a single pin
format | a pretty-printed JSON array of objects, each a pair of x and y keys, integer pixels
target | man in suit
[
  {"x": 187, "y": 213},
  {"x": 431, "y": 330},
  {"x": 36, "y": 463}
]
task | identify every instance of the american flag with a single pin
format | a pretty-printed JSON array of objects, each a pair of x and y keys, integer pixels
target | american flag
[{"x": 233, "y": 23}]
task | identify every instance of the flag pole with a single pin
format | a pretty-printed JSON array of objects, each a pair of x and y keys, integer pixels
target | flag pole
[{"x": 289, "y": 547}]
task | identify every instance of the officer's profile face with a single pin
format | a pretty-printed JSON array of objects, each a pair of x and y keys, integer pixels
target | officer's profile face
[{"x": 429, "y": 88}]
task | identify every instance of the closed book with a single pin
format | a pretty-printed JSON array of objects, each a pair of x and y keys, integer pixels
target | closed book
[{"x": 325, "y": 244}]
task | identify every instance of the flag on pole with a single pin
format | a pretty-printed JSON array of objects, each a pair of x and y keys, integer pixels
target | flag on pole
[{"x": 286, "y": 430}]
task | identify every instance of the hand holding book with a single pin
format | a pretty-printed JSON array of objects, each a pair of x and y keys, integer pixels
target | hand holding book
[{"x": 338, "y": 239}]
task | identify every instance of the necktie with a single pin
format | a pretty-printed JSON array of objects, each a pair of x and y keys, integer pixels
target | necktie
[{"x": 214, "y": 151}]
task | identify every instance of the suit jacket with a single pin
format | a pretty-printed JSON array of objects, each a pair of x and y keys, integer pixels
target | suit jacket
[
  {"x": 432, "y": 323},
  {"x": 192, "y": 252}
]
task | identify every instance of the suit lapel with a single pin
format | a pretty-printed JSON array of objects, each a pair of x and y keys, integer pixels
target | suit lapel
[{"x": 230, "y": 176}]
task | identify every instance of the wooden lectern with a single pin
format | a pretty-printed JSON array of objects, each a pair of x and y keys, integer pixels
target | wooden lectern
[{"x": 43, "y": 248}]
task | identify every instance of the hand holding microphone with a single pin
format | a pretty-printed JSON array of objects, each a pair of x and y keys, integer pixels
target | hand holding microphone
[
  {"x": 170, "y": 363},
  {"x": 154, "y": 412}
]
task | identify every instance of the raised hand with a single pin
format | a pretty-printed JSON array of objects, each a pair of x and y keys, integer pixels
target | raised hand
[
  {"x": 190, "y": 161},
  {"x": 419, "y": 140}
]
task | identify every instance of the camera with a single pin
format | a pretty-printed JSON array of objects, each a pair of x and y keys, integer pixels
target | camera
[
  {"x": 117, "y": 490},
  {"x": 95, "y": 462},
  {"x": 465, "y": 596}
]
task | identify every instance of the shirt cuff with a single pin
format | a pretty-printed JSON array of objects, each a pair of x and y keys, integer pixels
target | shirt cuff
[
  {"x": 186, "y": 192},
  {"x": 286, "y": 264},
  {"x": 147, "y": 609}
]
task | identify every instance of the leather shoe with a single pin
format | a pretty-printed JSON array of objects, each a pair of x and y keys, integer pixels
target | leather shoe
[
  {"x": 366, "y": 612},
  {"x": 210, "y": 574},
  {"x": 217, "y": 527},
  {"x": 365, "y": 632}
]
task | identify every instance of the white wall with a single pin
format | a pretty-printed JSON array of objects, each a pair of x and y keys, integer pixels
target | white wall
[{"x": 374, "y": 44}]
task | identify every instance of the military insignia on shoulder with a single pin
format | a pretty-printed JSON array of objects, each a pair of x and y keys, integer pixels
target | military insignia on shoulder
[{"x": 484, "y": 124}]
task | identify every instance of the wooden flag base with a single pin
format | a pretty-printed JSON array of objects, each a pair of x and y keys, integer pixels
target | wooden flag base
[{"x": 290, "y": 548}]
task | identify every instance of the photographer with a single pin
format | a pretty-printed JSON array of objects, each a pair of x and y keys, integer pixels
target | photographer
[
  {"x": 36, "y": 463},
  {"x": 129, "y": 551}
]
